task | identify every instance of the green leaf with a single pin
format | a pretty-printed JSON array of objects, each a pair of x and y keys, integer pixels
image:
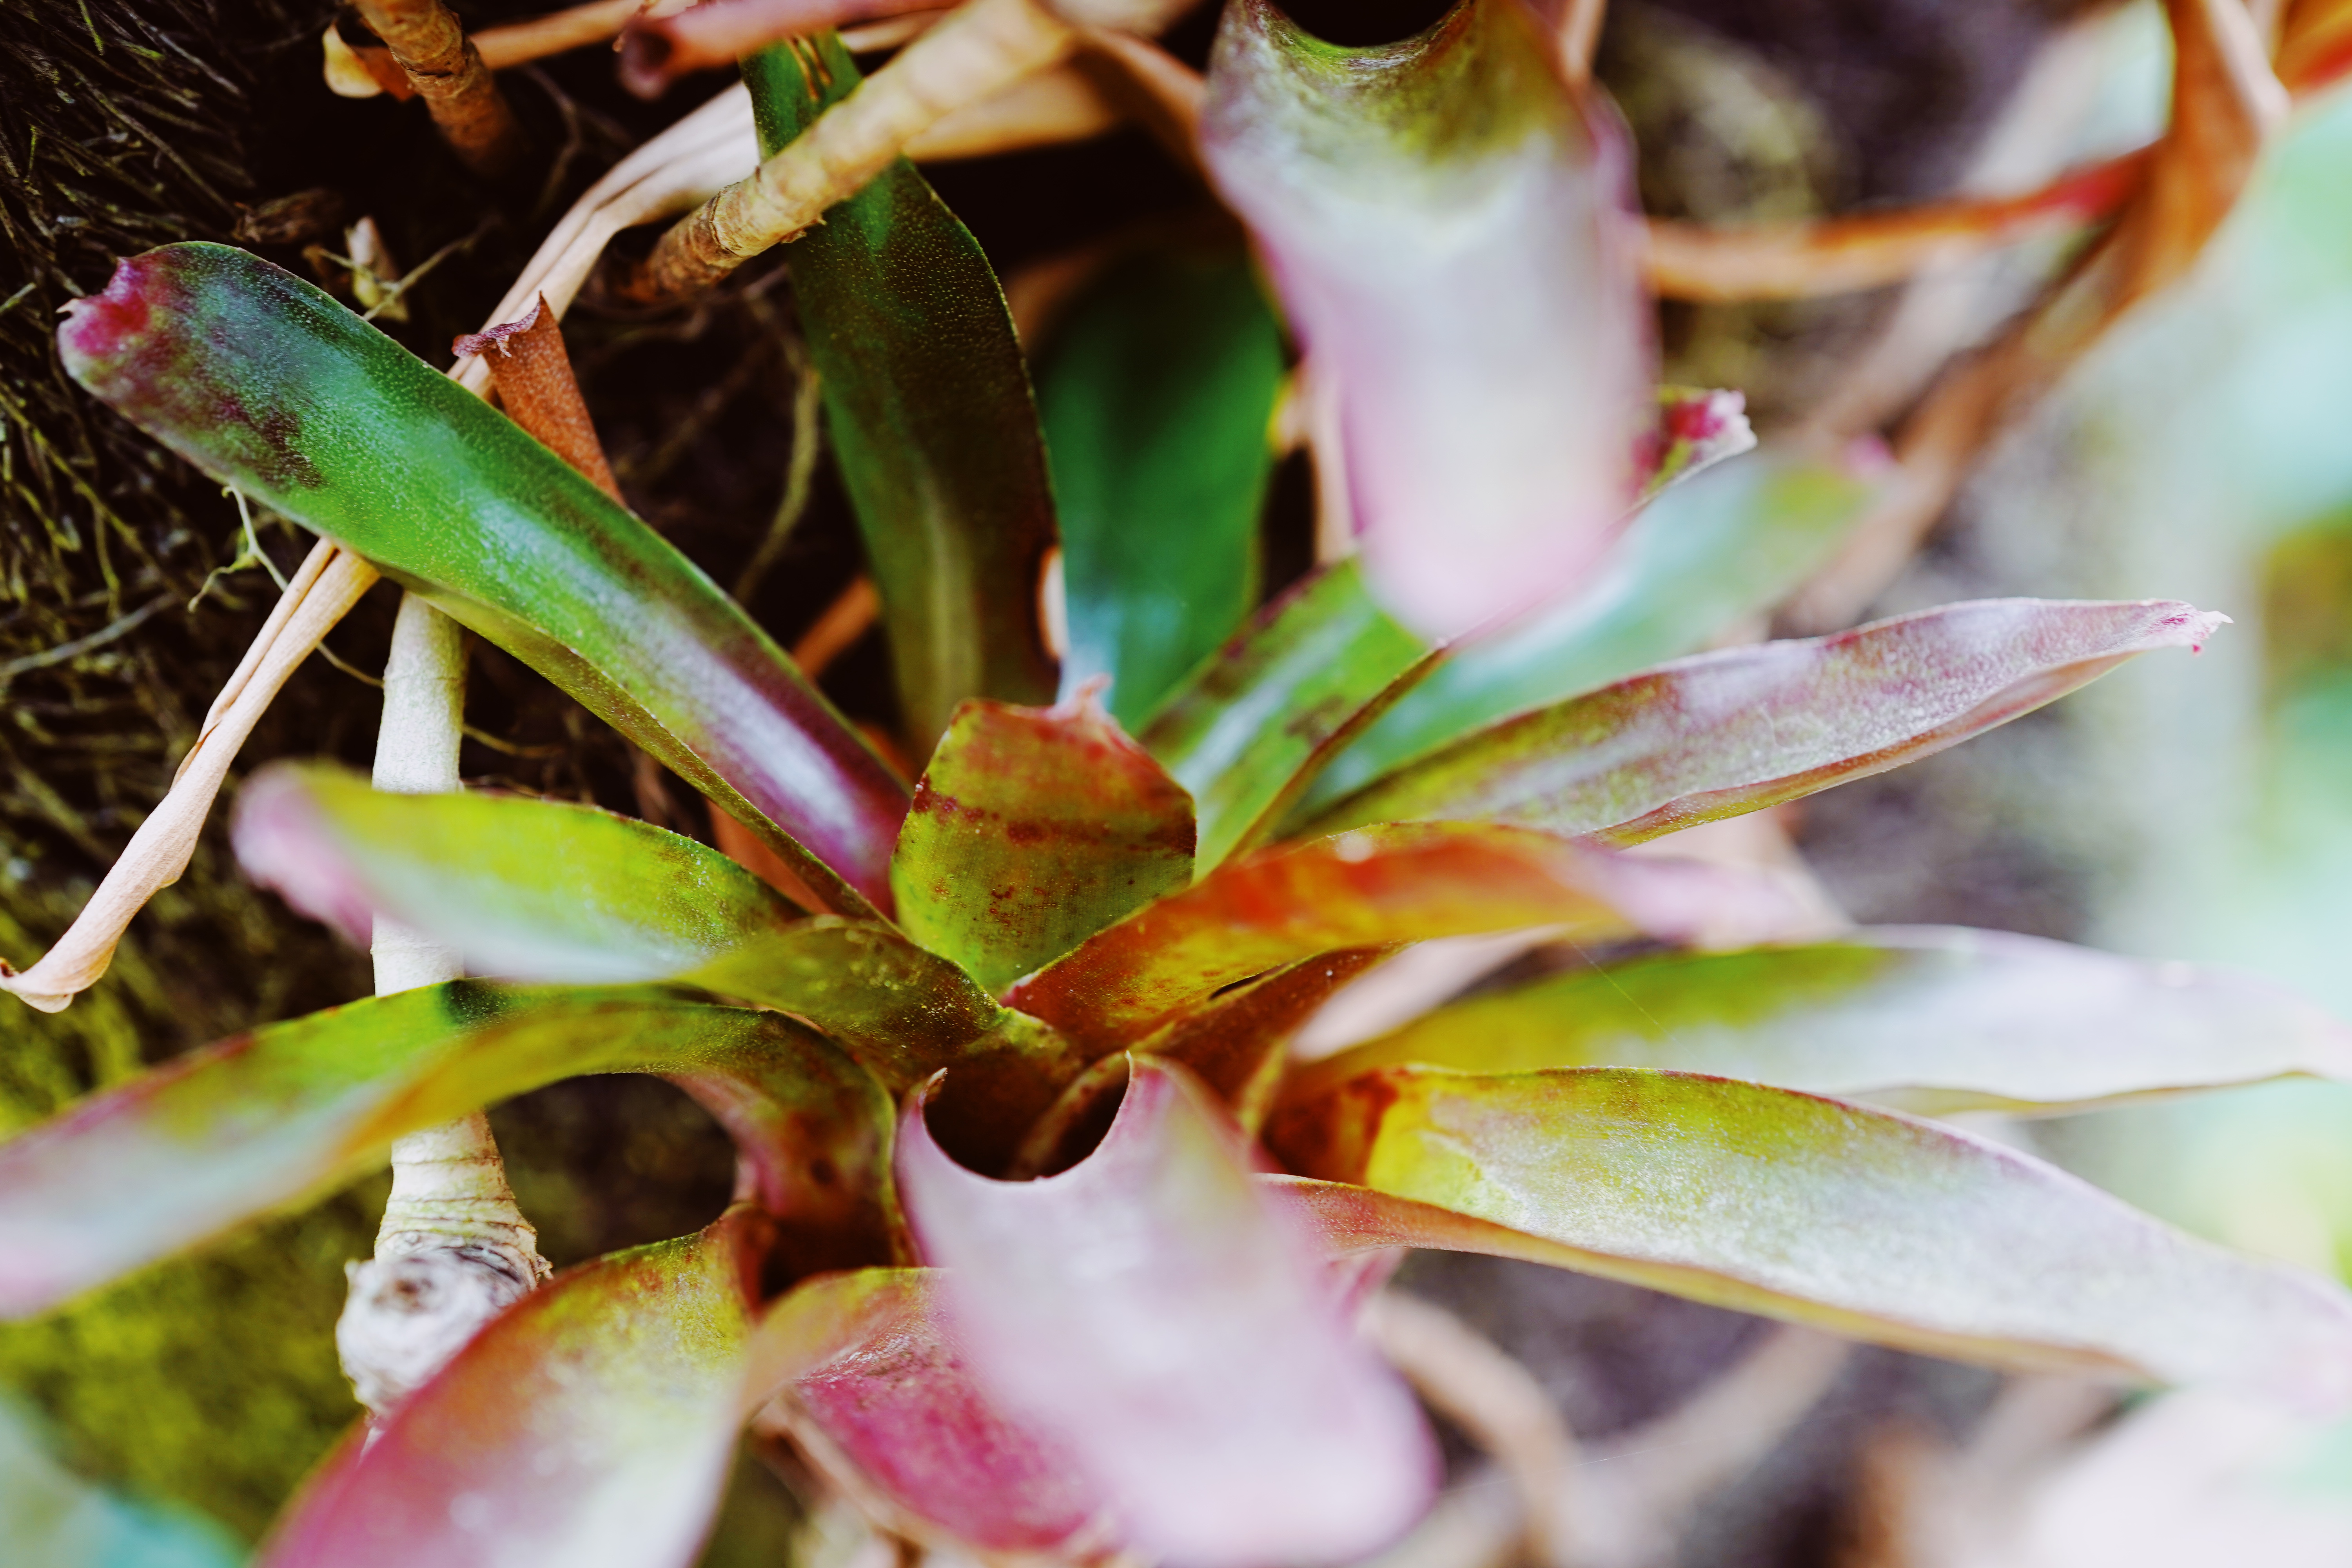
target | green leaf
[
  {"x": 1933, "y": 1019},
  {"x": 533, "y": 889},
  {"x": 928, "y": 405},
  {"x": 1242, "y": 733},
  {"x": 591, "y": 1425},
  {"x": 1370, "y": 888},
  {"x": 522, "y": 887},
  {"x": 1447, "y": 224},
  {"x": 1156, "y": 390},
  {"x": 906, "y": 1014},
  {"x": 1723, "y": 733},
  {"x": 262, "y": 1121},
  {"x": 1031, "y": 829},
  {"x": 1866, "y": 1222},
  {"x": 1726, "y": 544},
  {"x": 266, "y": 382}
]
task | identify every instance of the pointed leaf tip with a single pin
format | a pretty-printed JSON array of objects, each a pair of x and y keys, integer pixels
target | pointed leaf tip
[
  {"x": 1741, "y": 729},
  {"x": 265, "y": 382},
  {"x": 1147, "y": 1310}
]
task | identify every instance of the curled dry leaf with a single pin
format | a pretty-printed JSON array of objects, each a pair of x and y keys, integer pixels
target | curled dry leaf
[
  {"x": 330, "y": 584},
  {"x": 696, "y": 156},
  {"x": 533, "y": 374},
  {"x": 1145, "y": 1309}
]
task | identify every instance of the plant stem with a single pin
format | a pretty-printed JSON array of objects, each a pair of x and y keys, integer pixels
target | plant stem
[
  {"x": 449, "y": 75},
  {"x": 454, "y": 1250}
]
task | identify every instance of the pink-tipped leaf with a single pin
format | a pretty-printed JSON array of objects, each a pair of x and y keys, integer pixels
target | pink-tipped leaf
[
  {"x": 265, "y": 1120},
  {"x": 267, "y": 384},
  {"x": 871, "y": 1370},
  {"x": 1722, "y": 733}
]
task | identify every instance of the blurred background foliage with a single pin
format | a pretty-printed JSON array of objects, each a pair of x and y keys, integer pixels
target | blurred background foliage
[{"x": 2194, "y": 812}]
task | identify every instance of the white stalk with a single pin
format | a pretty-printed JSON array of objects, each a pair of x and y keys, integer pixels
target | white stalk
[{"x": 454, "y": 1249}]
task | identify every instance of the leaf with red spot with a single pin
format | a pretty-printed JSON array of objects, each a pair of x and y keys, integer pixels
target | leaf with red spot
[
  {"x": 1031, "y": 829},
  {"x": 1369, "y": 888},
  {"x": 1147, "y": 1313},
  {"x": 1723, "y": 733},
  {"x": 262, "y": 1121},
  {"x": 1858, "y": 1220},
  {"x": 592, "y": 1424},
  {"x": 1697, "y": 429}
]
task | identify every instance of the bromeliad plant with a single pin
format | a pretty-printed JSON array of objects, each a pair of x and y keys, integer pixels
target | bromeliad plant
[{"x": 1044, "y": 1243}]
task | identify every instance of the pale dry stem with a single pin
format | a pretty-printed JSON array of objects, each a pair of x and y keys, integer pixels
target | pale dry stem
[
  {"x": 1496, "y": 1404},
  {"x": 1578, "y": 34},
  {"x": 973, "y": 54},
  {"x": 671, "y": 173},
  {"x": 454, "y": 1249},
  {"x": 1838, "y": 255},
  {"x": 2226, "y": 103}
]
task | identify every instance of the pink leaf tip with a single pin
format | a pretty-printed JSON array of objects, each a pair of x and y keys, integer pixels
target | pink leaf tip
[{"x": 282, "y": 840}]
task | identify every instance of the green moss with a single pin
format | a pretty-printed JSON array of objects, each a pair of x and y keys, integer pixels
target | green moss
[{"x": 211, "y": 1379}]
